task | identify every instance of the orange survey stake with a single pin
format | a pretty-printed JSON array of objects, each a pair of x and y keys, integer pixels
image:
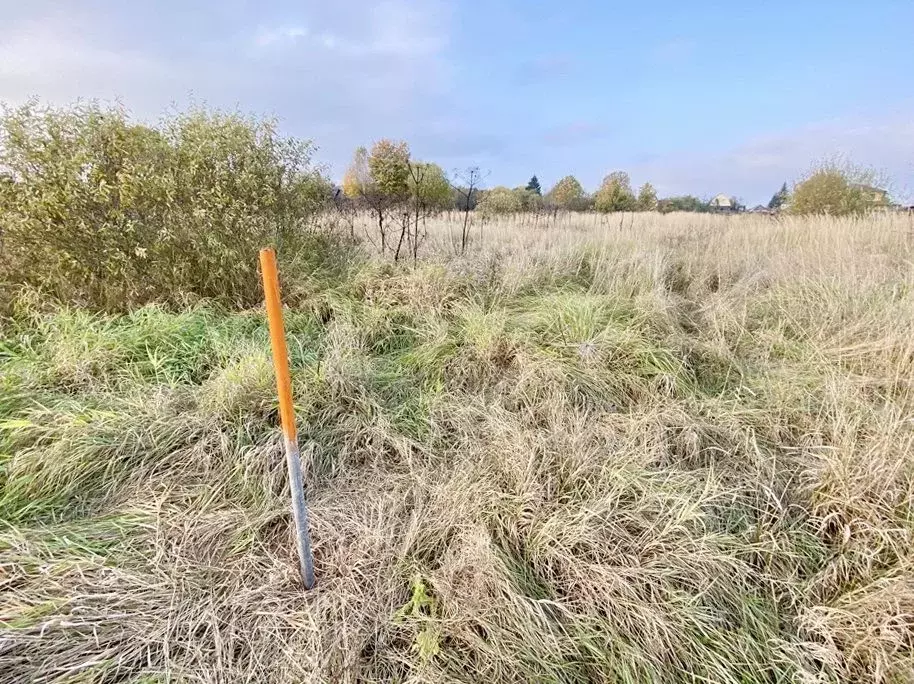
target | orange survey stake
[
  {"x": 287, "y": 414},
  {"x": 278, "y": 342}
]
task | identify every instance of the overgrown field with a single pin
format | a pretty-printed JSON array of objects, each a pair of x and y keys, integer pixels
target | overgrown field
[{"x": 657, "y": 449}]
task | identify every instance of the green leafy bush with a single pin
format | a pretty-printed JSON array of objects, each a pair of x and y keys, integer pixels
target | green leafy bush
[
  {"x": 837, "y": 189},
  {"x": 499, "y": 200},
  {"x": 682, "y": 203},
  {"x": 105, "y": 212}
]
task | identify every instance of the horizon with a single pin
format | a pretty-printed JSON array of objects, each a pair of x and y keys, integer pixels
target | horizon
[{"x": 703, "y": 100}]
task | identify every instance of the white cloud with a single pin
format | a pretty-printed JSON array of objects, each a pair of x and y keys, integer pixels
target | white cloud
[
  {"x": 47, "y": 58},
  {"x": 329, "y": 41},
  {"x": 398, "y": 29},
  {"x": 280, "y": 35},
  {"x": 393, "y": 28},
  {"x": 757, "y": 168},
  {"x": 343, "y": 79}
]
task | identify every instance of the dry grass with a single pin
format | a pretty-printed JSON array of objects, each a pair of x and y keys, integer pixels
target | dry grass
[{"x": 658, "y": 449}]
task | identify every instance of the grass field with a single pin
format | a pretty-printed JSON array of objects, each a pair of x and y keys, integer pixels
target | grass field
[{"x": 657, "y": 449}]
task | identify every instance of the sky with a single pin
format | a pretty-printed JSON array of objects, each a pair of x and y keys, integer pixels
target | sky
[{"x": 696, "y": 97}]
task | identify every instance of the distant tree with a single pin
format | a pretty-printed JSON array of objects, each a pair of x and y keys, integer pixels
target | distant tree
[
  {"x": 429, "y": 186},
  {"x": 647, "y": 198},
  {"x": 529, "y": 200},
  {"x": 379, "y": 179},
  {"x": 615, "y": 193},
  {"x": 682, "y": 203},
  {"x": 534, "y": 186},
  {"x": 389, "y": 166},
  {"x": 357, "y": 179},
  {"x": 838, "y": 190},
  {"x": 461, "y": 200},
  {"x": 566, "y": 194},
  {"x": 500, "y": 200},
  {"x": 467, "y": 198},
  {"x": 779, "y": 199},
  {"x": 429, "y": 192}
]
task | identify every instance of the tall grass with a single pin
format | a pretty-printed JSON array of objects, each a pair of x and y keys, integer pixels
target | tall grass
[{"x": 639, "y": 449}]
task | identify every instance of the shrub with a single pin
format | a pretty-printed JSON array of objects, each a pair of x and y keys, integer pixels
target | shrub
[
  {"x": 499, "y": 200},
  {"x": 837, "y": 190},
  {"x": 529, "y": 200},
  {"x": 683, "y": 203},
  {"x": 105, "y": 212}
]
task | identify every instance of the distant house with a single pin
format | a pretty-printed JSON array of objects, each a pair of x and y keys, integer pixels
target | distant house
[
  {"x": 761, "y": 209},
  {"x": 724, "y": 204},
  {"x": 875, "y": 196}
]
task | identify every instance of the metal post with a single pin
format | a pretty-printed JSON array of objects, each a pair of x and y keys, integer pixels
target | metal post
[{"x": 287, "y": 414}]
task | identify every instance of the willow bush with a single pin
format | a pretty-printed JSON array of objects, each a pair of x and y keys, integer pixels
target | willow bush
[{"x": 98, "y": 210}]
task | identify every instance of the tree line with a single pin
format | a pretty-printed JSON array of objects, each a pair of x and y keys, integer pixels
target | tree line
[
  {"x": 387, "y": 181},
  {"x": 614, "y": 194},
  {"x": 399, "y": 190}
]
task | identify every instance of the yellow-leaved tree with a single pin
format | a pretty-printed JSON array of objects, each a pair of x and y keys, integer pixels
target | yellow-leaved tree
[
  {"x": 615, "y": 193},
  {"x": 568, "y": 193},
  {"x": 380, "y": 180}
]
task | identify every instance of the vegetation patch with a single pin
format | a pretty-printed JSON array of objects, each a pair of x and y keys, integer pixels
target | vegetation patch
[{"x": 538, "y": 449}]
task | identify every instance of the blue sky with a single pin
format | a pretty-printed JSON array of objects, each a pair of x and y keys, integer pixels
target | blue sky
[{"x": 700, "y": 97}]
